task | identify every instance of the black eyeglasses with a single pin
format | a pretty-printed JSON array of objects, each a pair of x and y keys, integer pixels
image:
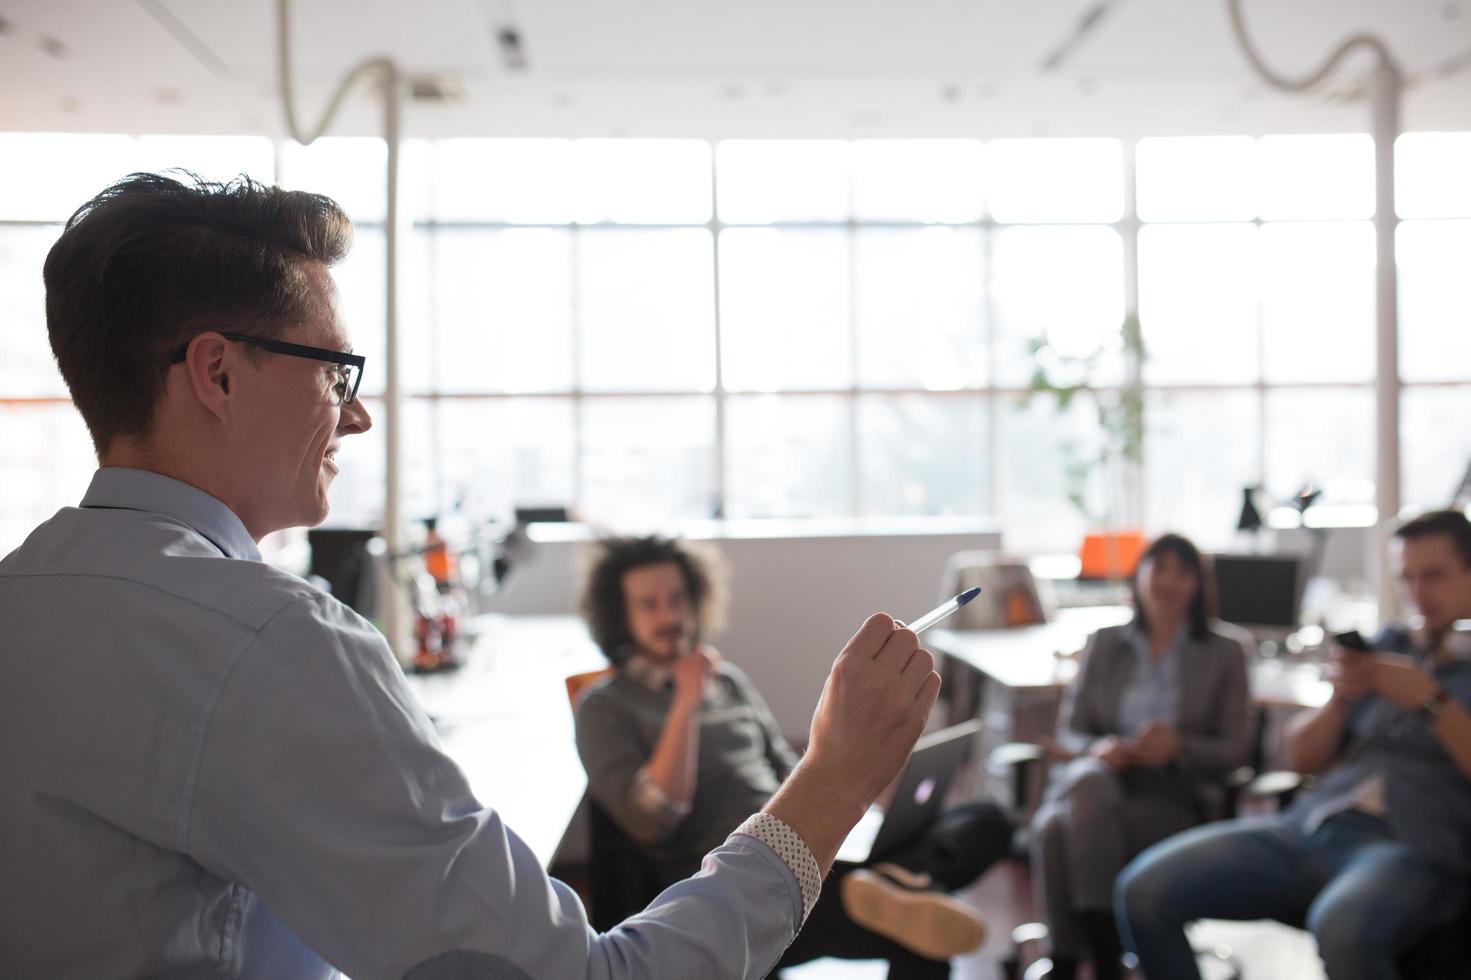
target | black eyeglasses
[{"x": 350, "y": 365}]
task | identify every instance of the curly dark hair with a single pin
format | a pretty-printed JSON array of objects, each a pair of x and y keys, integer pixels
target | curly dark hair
[
  {"x": 602, "y": 602},
  {"x": 1203, "y": 607}
]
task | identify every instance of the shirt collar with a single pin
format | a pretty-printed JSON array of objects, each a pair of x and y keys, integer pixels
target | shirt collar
[
  {"x": 651, "y": 674},
  {"x": 1453, "y": 647},
  {"x": 129, "y": 489},
  {"x": 1139, "y": 640}
]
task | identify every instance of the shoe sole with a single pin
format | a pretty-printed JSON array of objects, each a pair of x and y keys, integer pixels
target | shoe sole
[{"x": 931, "y": 924}]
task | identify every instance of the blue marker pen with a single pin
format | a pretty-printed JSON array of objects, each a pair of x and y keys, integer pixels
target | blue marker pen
[{"x": 942, "y": 610}]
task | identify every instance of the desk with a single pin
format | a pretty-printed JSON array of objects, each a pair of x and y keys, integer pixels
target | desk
[
  {"x": 505, "y": 719},
  {"x": 1281, "y": 683},
  {"x": 1029, "y": 656},
  {"x": 1043, "y": 657},
  {"x": 1013, "y": 678}
]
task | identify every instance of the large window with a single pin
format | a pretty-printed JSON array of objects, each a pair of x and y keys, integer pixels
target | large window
[
  {"x": 655, "y": 330},
  {"x": 1256, "y": 295}
]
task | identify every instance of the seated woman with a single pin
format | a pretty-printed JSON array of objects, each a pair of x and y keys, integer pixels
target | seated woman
[{"x": 1157, "y": 718}]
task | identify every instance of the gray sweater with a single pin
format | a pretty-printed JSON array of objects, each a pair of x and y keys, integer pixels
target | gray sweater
[{"x": 743, "y": 759}]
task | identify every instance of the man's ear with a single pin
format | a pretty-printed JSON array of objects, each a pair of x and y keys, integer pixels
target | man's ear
[{"x": 208, "y": 362}]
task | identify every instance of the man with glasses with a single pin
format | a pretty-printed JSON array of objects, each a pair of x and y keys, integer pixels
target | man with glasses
[
  {"x": 1376, "y": 854},
  {"x": 209, "y": 767}
]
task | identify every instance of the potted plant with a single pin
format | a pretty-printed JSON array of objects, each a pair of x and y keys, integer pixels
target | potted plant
[{"x": 1110, "y": 551}]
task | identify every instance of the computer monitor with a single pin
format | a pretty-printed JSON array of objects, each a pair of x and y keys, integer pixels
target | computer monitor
[
  {"x": 549, "y": 514},
  {"x": 340, "y": 555},
  {"x": 1260, "y": 592}
]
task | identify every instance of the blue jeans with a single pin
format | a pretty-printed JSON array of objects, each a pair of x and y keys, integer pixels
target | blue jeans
[{"x": 1365, "y": 897}]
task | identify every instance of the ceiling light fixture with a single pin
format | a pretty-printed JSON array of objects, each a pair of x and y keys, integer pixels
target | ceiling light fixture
[
  {"x": 513, "y": 51},
  {"x": 442, "y": 89}
]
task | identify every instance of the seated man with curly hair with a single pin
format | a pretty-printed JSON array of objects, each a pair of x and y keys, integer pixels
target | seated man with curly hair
[{"x": 679, "y": 746}]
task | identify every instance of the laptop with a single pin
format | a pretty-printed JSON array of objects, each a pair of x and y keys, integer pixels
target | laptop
[{"x": 917, "y": 799}]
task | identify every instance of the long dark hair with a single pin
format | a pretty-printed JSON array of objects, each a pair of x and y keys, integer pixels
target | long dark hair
[{"x": 1203, "y": 607}]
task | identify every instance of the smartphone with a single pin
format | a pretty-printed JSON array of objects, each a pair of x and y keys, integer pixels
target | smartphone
[{"x": 1352, "y": 640}]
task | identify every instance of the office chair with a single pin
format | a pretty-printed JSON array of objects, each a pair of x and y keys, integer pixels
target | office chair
[
  {"x": 1026, "y": 765},
  {"x": 621, "y": 880}
]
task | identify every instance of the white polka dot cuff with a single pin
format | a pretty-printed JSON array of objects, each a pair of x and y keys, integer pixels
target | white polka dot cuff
[{"x": 778, "y": 835}]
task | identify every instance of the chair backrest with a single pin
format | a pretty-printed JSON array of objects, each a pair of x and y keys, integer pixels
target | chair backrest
[
  {"x": 577, "y": 683},
  {"x": 1009, "y": 595},
  {"x": 621, "y": 879},
  {"x": 1110, "y": 555}
]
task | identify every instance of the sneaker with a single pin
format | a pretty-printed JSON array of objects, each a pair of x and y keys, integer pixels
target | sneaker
[{"x": 927, "y": 922}]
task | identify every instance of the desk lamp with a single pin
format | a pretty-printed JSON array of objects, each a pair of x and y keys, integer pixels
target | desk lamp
[
  {"x": 1305, "y": 498},
  {"x": 1251, "y": 516}
]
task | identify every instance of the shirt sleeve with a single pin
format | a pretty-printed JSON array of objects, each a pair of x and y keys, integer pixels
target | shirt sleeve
[
  {"x": 1214, "y": 755},
  {"x": 321, "y": 787},
  {"x": 1076, "y": 728},
  {"x": 615, "y": 757},
  {"x": 657, "y": 804}
]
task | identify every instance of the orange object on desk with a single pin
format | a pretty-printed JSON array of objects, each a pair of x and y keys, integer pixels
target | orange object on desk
[
  {"x": 439, "y": 562},
  {"x": 1110, "y": 555}
]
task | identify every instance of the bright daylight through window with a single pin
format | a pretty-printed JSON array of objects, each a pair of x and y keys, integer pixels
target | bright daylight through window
[{"x": 667, "y": 329}]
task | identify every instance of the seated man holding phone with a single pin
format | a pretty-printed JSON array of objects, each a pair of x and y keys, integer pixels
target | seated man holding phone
[{"x": 1377, "y": 854}]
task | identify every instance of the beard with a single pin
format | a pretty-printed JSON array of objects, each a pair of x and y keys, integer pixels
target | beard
[{"x": 669, "y": 645}]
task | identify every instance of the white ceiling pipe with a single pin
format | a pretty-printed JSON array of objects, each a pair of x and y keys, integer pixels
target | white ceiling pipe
[
  {"x": 1386, "y": 84},
  {"x": 393, "y": 605}
]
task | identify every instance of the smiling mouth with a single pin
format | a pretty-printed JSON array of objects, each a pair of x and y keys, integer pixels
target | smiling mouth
[{"x": 330, "y": 457}]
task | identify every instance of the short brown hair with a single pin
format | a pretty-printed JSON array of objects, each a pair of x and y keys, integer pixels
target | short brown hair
[
  {"x": 152, "y": 261},
  {"x": 1451, "y": 523},
  {"x": 605, "y": 608}
]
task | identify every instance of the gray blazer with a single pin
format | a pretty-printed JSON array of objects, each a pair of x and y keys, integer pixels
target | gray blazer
[{"x": 1213, "y": 711}]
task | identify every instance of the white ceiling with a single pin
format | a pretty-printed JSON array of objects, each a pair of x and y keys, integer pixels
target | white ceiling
[{"x": 716, "y": 68}]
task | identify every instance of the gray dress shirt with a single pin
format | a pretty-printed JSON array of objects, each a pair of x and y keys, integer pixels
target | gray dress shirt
[
  {"x": 1153, "y": 692},
  {"x": 210, "y": 769}
]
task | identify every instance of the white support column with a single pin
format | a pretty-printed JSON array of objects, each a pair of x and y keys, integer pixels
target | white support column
[
  {"x": 393, "y": 602},
  {"x": 1385, "y": 85},
  {"x": 1386, "y": 94},
  {"x": 395, "y": 614},
  {"x": 1135, "y": 506}
]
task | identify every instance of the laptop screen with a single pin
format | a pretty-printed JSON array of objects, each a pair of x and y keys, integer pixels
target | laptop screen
[{"x": 918, "y": 796}]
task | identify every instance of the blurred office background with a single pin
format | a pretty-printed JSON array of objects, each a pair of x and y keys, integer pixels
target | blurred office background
[
  {"x": 576, "y": 313},
  {"x": 675, "y": 263}
]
